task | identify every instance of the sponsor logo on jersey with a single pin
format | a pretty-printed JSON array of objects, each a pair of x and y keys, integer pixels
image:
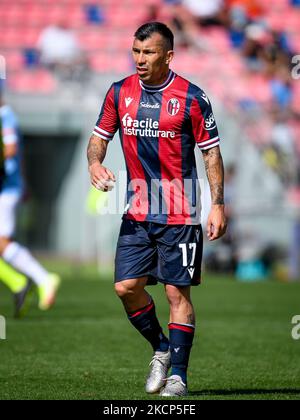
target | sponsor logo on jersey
[
  {"x": 128, "y": 101},
  {"x": 147, "y": 105},
  {"x": 173, "y": 107},
  {"x": 210, "y": 122},
  {"x": 191, "y": 271},
  {"x": 146, "y": 128}
]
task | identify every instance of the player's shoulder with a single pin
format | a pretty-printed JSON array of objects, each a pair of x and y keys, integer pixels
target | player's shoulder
[
  {"x": 195, "y": 91},
  {"x": 128, "y": 81}
]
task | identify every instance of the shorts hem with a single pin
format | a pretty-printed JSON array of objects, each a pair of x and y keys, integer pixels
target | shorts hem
[
  {"x": 136, "y": 276},
  {"x": 133, "y": 276},
  {"x": 177, "y": 283}
]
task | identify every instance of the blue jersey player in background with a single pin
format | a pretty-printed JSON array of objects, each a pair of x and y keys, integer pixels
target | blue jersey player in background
[{"x": 17, "y": 266}]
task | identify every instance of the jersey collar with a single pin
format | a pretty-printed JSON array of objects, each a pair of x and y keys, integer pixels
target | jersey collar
[{"x": 159, "y": 88}]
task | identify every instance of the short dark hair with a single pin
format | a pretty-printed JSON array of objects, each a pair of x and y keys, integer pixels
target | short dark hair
[{"x": 145, "y": 31}]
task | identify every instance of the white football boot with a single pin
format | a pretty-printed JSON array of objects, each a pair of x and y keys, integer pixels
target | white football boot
[
  {"x": 159, "y": 366},
  {"x": 174, "y": 387}
]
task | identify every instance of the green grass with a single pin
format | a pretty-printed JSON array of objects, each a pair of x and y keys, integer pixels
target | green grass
[{"x": 86, "y": 349}]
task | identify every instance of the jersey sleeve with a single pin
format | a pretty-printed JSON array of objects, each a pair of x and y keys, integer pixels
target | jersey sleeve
[
  {"x": 108, "y": 121},
  {"x": 204, "y": 125}
]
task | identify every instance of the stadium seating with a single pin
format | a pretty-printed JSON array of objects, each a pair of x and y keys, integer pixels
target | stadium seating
[
  {"x": 34, "y": 82},
  {"x": 107, "y": 41}
]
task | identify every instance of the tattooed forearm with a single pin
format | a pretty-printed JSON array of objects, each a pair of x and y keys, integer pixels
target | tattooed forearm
[
  {"x": 191, "y": 319},
  {"x": 96, "y": 150},
  {"x": 215, "y": 173}
]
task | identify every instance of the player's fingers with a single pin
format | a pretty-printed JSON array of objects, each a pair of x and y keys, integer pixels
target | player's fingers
[
  {"x": 216, "y": 233},
  {"x": 104, "y": 176},
  {"x": 209, "y": 228},
  {"x": 95, "y": 178},
  {"x": 100, "y": 186},
  {"x": 99, "y": 174},
  {"x": 110, "y": 174}
]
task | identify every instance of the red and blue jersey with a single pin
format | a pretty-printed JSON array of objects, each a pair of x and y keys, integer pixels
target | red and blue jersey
[{"x": 159, "y": 127}]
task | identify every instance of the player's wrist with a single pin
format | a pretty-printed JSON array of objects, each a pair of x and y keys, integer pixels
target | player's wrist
[{"x": 95, "y": 164}]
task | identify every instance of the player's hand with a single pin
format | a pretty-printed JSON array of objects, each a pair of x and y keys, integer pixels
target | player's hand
[
  {"x": 216, "y": 223},
  {"x": 101, "y": 178}
]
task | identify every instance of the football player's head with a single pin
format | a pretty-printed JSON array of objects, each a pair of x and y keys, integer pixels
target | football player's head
[{"x": 153, "y": 51}]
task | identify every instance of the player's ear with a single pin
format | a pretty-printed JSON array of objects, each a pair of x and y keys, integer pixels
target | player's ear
[{"x": 169, "y": 56}]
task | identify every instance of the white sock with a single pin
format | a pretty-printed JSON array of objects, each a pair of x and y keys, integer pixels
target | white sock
[{"x": 21, "y": 259}]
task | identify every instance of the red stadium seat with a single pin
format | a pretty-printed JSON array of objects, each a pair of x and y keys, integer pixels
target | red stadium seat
[
  {"x": 101, "y": 62},
  {"x": 10, "y": 38},
  {"x": 218, "y": 39},
  {"x": 14, "y": 61},
  {"x": 11, "y": 14},
  {"x": 30, "y": 37},
  {"x": 35, "y": 82},
  {"x": 104, "y": 62},
  {"x": 76, "y": 16},
  {"x": 94, "y": 39},
  {"x": 296, "y": 95},
  {"x": 259, "y": 89},
  {"x": 295, "y": 42}
]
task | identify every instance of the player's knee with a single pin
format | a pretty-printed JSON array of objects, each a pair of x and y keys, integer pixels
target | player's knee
[
  {"x": 176, "y": 296},
  {"x": 4, "y": 242},
  {"x": 120, "y": 289},
  {"x": 124, "y": 289}
]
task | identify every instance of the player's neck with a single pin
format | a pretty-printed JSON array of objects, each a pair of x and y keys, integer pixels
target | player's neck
[{"x": 159, "y": 82}]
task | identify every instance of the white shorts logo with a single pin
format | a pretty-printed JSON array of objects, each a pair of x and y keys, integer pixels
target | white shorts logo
[
  {"x": 210, "y": 122},
  {"x": 173, "y": 106}
]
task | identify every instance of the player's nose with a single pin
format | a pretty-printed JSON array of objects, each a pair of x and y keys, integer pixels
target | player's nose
[{"x": 141, "y": 59}]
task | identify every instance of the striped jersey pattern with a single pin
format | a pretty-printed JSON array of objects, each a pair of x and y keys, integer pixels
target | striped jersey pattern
[{"x": 159, "y": 127}]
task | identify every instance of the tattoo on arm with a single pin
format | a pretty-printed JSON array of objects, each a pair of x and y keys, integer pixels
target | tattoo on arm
[
  {"x": 215, "y": 174},
  {"x": 96, "y": 150},
  {"x": 191, "y": 319}
]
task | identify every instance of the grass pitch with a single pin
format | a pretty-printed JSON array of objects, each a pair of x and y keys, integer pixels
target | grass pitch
[{"x": 85, "y": 348}]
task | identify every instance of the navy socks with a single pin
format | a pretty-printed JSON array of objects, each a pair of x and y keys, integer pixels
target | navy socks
[
  {"x": 181, "y": 341},
  {"x": 180, "y": 336},
  {"x": 146, "y": 322}
]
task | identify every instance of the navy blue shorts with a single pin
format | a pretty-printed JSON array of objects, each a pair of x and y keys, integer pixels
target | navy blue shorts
[{"x": 170, "y": 254}]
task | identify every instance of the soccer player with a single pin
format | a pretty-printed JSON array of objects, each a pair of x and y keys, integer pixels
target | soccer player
[
  {"x": 160, "y": 117},
  {"x": 17, "y": 264}
]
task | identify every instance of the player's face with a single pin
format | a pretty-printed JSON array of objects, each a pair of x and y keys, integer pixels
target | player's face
[{"x": 152, "y": 59}]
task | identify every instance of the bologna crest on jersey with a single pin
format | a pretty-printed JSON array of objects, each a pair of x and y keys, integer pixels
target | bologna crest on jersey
[{"x": 173, "y": 106}]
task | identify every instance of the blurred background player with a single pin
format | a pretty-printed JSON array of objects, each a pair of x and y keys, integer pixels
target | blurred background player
[
  {"x": 17, "y": 265},
  {"x": 60, "y": 51}
]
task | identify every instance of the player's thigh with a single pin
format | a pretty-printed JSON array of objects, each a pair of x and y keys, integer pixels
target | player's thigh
[
  {"x": 136, "y": 255},
  {"x": 8, "y": 208},
  {"x": 180, "y": 255}
]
